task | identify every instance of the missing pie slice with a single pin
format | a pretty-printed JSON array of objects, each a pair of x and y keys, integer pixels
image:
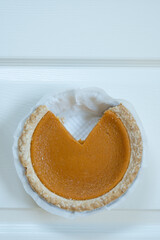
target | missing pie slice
[{"x": 81, "y": 175}]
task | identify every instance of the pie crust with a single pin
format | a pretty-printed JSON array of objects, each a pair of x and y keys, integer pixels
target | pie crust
[{"x": 136, "y": 144}]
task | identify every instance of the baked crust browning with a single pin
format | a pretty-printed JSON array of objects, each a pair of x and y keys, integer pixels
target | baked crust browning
[{"x": 136, "y": 143}]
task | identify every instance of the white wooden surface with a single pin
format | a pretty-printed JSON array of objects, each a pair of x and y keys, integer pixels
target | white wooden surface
[
  {"x": 37, "y": 224},
  {"x": 139, "y": 214},
  {"x": 54, "y": 45},
  {"x": 83, "y": 29}
]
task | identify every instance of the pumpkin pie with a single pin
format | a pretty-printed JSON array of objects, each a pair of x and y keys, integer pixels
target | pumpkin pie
[{"x": 86, "y": 174}]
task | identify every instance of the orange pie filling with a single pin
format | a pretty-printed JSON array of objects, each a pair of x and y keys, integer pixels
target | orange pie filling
[{"x": 80, "y": 170}]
